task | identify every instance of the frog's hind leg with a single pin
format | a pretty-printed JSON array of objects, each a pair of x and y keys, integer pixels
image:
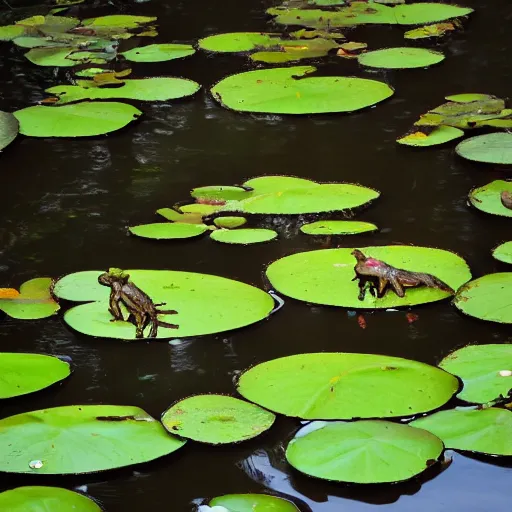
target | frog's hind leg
[{"x": 141, "y": 320}]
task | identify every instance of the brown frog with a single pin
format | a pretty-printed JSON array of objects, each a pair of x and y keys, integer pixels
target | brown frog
[
  {"x": 378, "y": 275},
  {"x": 506, "y": 199},
  {"x": 142, "y": 310}
]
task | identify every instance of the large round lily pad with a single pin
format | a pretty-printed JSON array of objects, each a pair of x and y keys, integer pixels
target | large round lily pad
[
  {"x": 81, "y": 120},
  {"x": 252, "y": 503},
  {"x": 45, "y": 499},
  {"x": 243, "y": 236},
  {"x": 493, "y": 148},
  {"x": 168, "y": 230},
  {"x": 205, "y": 303},
  {"x": 290, "y": 91},
  {"x": 9, "y": 127},
  {"x": 326, "y": 276},
  {"x": 439, "y": 135},
  {"x": 143, "y": 89},
  {"x": 488, "y": 298},
  {"x": 25, "y": 373},
  {"x": 486, "y": 431},
  {"x": 158, "y": 52},
  {"x": 346, "y": 386},
  {"x": 82, "y": 439},
  {"x": 400, "y": 58},
  {"x": 503, "y": 252},
  {"x": 485, "y": 370},
  {"x": 337, "y": 227},
  {"x": 363, "y": 451},
  {"x": 488, "y": 198},
  {"x": 216, "y": 419}
]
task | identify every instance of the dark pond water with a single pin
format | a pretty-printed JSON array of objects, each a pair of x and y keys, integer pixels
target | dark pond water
[{"x": 66, "y": 205}]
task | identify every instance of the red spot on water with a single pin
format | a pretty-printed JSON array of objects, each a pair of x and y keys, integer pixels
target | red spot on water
[
  {"x": 411, "y": 317},
  {"x": 361, "y": 321}
]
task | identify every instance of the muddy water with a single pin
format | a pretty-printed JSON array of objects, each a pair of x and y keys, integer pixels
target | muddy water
[{"x": 66, "y": 204}]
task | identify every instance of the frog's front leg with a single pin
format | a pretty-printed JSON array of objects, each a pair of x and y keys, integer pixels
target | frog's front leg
[
  {"x": 141, "y": 318},
  {"x": 114, "y": 301}
]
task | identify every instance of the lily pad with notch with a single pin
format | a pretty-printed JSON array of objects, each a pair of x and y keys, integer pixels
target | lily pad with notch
[
  {"x": 337, "y": 385},
  {"x": 327, "y": 276},
  {"x": 488, "y": 198},
  {"x": 363, "y": 452},
  {"x": 216, "y": 419},
  {"x": 78, "y": 439},
  {"x": 205, "y": 303}
]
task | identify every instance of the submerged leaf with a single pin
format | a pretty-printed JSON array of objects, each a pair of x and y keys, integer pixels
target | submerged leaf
[
  {"x": 32, "y": 303},
  {"x": 216, "y": 419},
  {"x": 363, "y": 451},
  {"x": 291, "y": 91},
  {"x": 81, "y": 120},
  {"x": 336, "y": 385}
]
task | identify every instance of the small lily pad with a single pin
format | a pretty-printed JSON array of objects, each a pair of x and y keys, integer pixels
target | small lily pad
[
  {"x": 337, "y": 227},
  {"x": 168, "y": 230},
  {"x": 45, "y": 499},
  {"x": 271, "y": 184},
  {"x": 79, "y": 439},
  {"x": 203, "y": 209},
  {"x": 488, "y": 198},
  {"x": 326, "y": 276},
  {"x": 468, "y": 97},
  {"x": 81, "y": 120},
  {"x": 21, "y": 374},
  {"x": 486, "y": 431},
  {"x": 439, "y": 135},
  {"x": 9, "y": 128},
  {"x": 363, "y": 451},
  {"x": 125, "y": 21},
  {"x": 216, "y": 419},
  {"x": 485, "y": 370},
  {"x": 503, "y": 252},
  {"x": 400, "y": 58},
  {"x": 290, "y": 91},
  {"x": 230, "y": 222},
  {"x": 344, "y": 386},
  {"x": 243, "y": 236},
  {"x": 158, "y": 52},
  {"x": 34, "y": 300},
  {"x": 144, "y": 89},
  {"x": 488, "y": 298},
  {"x": 205, "y": 303},
  {"x": 175, "y": 216},
  {"x": 434, "y": 30},
  {"x": 494, "y": 148},
  {"x": 252, "y": 503},
  {"x": 219, "y": 193}
]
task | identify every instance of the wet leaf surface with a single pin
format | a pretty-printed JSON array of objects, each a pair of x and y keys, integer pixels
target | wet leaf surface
[
  {"x": 488, "y": 198},
  {"x": 243, "y": 236},
  {"x": 400, "y": 58}
]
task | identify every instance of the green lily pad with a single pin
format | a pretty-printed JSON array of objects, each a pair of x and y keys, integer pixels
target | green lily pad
[
  {"x": 10, "y": 32},
  {"x": 468, "y": 97},
  {"x": 168, "y": 230},
  {"x": 175, "y": 216},
  {"x": 34, "y": 300},
  {"x": 340, "y": 386},
  {"x": 484, "y": 431},
  {"x": 363, "y": 452},
  {"x": 9, "y": 127},
  {"x": 494, "y": 148},
  {"x": 488, "y": 298},
  {"x": 488, "y": 198},
  {"x": 205, "y": 303},
  {"x": 219, "y": 193},
  {"x": 45, "y": 499},
  {"x": 158, "y": 52},
  {"x": 144, "y": 89},
  {"x": 230, "y": 222},
  {"x": 90, "y": 72},
  {"x": 243, "y": 236},
  {"x": 485, "y": 370},
  {"x": 270, "y": 184},
  {"x": 329, "y": 197},
  {"x": 434, "y": 30},
  {"x": 337, "y": 227},
  {"x": 440, "y": 135},
  {"x": 325, "y": 276},
  {"x": 21, "y": 374},
  {"x": 400, "y": 58},
  {"x": 81, "y": 120},
  {"x": 78, "y": 439},
  {"x": 503, "y": 252},
  {"x": 234, "y": 42},
  {"x": 57, "y": 57},
  {"x": 125, "y": 21},
  {"x": 280, "y": 91},
  {"x": 253, "y": 503},
  {"x": 216, "y": 419},
  {"x": 37, "y": 42},
  {"x": 428, "y": 12},
  {"x": 293, "y": 50},
  {"x": 203, "y": 209}
]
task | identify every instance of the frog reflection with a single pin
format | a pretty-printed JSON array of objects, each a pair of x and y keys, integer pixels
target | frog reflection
[
  {"x": 377, "y": 275},
  {"x": 142, "y": 310}
]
